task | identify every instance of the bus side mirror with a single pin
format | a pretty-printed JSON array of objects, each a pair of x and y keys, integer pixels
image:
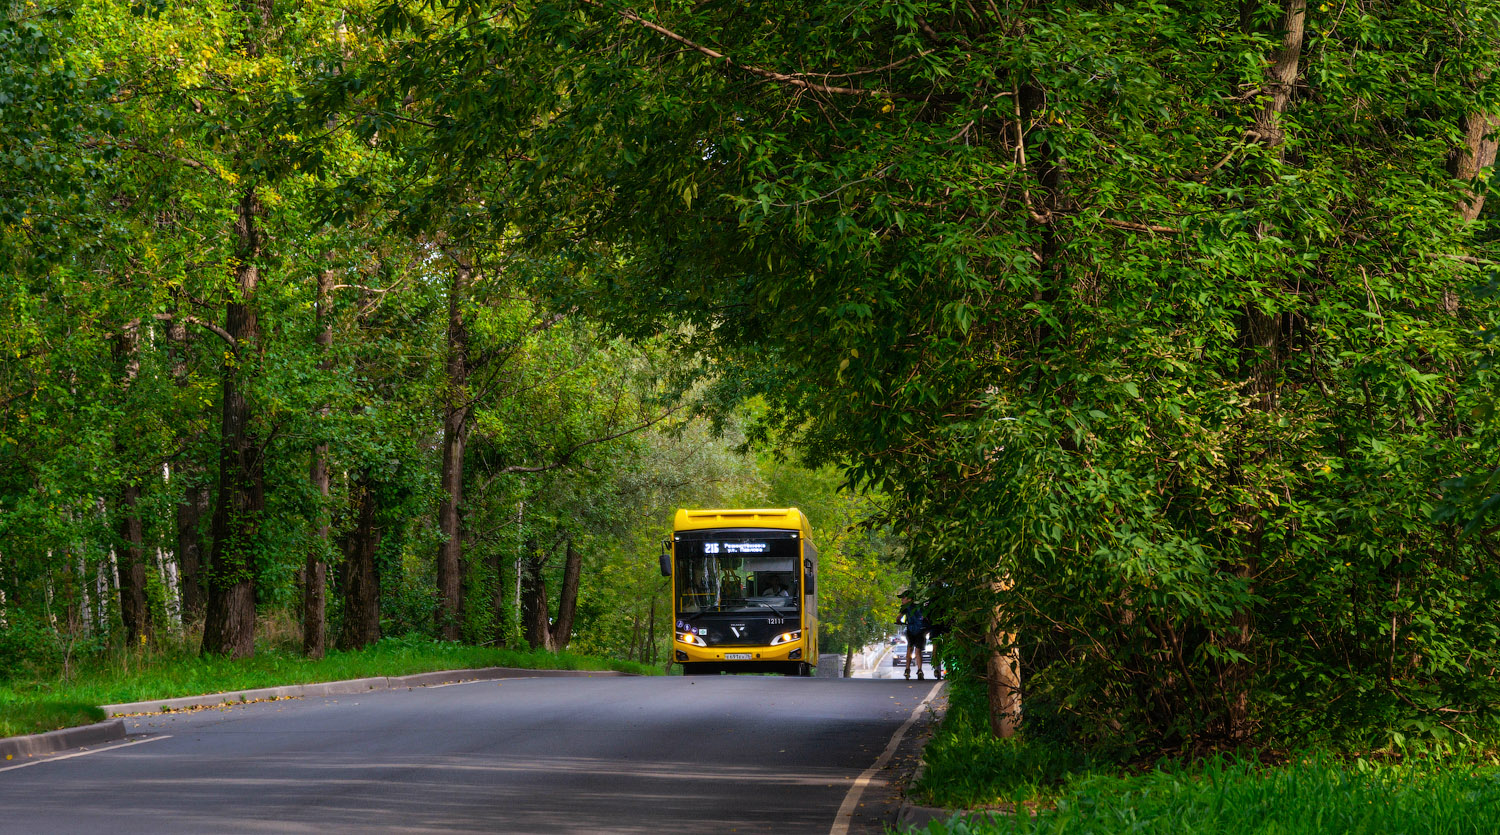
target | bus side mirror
[
  {"x": 812, "y": 587},
  {"x": 666, "y": 558}
]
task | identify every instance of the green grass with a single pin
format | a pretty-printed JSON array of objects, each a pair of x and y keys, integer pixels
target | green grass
[
  {"x": 48, "y": 702},
  {"x": 1065, "y": 791},
  {"x": 969, "y": 767},
  {"x": 1237, "y": 798}
]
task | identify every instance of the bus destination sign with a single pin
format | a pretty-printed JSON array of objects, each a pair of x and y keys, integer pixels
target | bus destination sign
[{"x": 736, "y": 547}]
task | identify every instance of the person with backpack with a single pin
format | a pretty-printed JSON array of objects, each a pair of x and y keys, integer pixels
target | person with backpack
[{"x": 914, "y": 623}]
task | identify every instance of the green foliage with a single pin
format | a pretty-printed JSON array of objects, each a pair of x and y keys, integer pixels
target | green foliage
[
  {"x": 1048, "y": 281},
  {"x": 48, "y": 110},
  {"x": 25, "y": 646},
  {"x": 1146, "y": 370},
  {"x": 147, "y": 127}
]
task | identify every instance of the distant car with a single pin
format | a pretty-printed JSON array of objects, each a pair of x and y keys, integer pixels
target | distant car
[
  {"x": 898, "y": 659},
  {"x": 898, "y": 651}
]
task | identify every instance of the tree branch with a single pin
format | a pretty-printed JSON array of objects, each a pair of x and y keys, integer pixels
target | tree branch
[
  {"x": 1140, "y": 227},
  {"x": 1467, "y": 259},
  {"x": 208, "y": 326},
  {"x": 161, "y": 155},
  {"x": 563, "y": 459},
  {"x": 792, "y": 80}
]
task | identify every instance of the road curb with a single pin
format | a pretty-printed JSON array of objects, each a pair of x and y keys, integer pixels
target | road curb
[
  {"x": 53, "y": 741},
  {"x": 911, "y": 817},
  {"x": 346, "y": 687}
]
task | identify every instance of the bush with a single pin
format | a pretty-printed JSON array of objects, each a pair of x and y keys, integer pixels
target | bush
[{"x": 25, "y": 646}]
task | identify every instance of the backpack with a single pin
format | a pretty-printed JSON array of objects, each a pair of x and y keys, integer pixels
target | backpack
[{"x": 916, "y": 620}]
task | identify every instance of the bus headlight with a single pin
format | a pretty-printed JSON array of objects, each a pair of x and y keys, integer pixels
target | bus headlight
[
  {"x": 786, "y": 638},
  {"x": 690, "y": 638}
]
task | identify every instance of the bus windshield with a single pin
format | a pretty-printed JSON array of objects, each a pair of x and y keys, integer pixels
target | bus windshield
[{"x": 738, "y": 577}]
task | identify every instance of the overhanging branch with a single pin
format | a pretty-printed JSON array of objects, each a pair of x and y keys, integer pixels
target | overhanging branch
[
  {"x": 790, "y": 79},
  {"x": 208, "y": 326}
]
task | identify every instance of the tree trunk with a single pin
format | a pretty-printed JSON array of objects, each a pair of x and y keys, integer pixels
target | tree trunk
[
  {"x": 229, "y": 619},
  {"x": 535, "y": 610},
  {"x": 567, "y": 602},
  {"x": 498, "y": 597},
  {"x": 1262, "y": 341},
  {"x": 135, "y": 614},
  {"x": 849, "y": 661},
  {"x": 361, "y": 579},
  {"x": 1002, "y": 671},
  {"x": 75, "y": 604},
  {"x": 315, "y": 573},
  {"x": 194, "y": 507},
  {"x": 651, "y": 630},
  {"x": 195, "y": 502},
  {"x": 1475, "y": 154},
  {"x": 1281, "y": 76},
  {"x": 455, "y": 435}
]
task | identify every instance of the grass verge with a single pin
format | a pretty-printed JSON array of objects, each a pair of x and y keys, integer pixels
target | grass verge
[
  {"x": 968, "y": 767},
  {"x": 1066, "y": 792},
  {"x": 48, "y": 702},
  {"x": 1224, "y": 797}
]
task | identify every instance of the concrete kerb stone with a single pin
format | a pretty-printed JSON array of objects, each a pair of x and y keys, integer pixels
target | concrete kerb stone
[
  {"x": 914, "y": 818},
  {"x": 340, "y": 688},
  {"x": 53, "y": 741}
]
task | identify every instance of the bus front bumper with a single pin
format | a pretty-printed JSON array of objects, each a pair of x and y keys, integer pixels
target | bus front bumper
[{"x": 688, "y": 653}]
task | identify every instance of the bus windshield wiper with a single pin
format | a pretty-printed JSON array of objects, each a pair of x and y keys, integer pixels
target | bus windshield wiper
[{"x": 772, "y": 608}]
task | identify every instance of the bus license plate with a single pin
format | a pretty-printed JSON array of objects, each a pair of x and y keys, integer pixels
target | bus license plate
[{"x": 736, "y": 656}]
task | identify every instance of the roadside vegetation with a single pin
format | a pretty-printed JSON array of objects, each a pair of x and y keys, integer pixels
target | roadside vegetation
[
  {"x": 1236, "y": 797},
  {"x": 1029, "y": 783},
  {"x": 1152, "y": 342},
  {"x": 43, "y": 702}
]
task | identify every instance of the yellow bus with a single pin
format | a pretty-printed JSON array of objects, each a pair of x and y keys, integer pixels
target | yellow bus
[{"x": 744, "y": 591}]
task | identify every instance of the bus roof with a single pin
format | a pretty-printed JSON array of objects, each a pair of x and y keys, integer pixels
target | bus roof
[{"x": 786, "y": 518}]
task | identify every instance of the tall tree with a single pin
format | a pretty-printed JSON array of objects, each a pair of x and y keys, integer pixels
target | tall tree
[
  {"x": 456, "y": 408},
  {"x": 315, "y": 572},
  {"x": 229, "y": 617},
  {"x": 1136, "y": 333}
]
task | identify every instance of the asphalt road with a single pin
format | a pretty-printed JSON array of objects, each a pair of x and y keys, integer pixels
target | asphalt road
[{"x": 662, "y": 755}]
